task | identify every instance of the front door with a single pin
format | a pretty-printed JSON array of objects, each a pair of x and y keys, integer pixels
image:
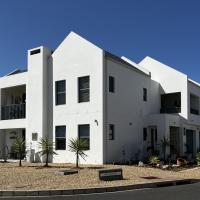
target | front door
[
  {"x": 190, "y": 143},
  {"x": 174, "y": 140}
]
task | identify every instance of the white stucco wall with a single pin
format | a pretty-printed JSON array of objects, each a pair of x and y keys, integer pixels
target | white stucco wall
[
  {"x": 127, "y": 110},
  {"x": 170, "y": 81},
  {"x": 74, "y": 58}
]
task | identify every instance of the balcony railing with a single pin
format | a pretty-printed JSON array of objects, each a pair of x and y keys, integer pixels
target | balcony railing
[
  {"x": 16, "y": 111},
  {"x": 170, "y": 110}
]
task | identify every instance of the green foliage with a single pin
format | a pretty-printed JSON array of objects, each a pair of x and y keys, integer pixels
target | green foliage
[
  {"x": 153, "y": 160},
  {"x": 19, "y": 147},
  {"x": 78, "y": 146},
  {"x": 46, "y": 146},
  {"x": 198, "y": 158}
]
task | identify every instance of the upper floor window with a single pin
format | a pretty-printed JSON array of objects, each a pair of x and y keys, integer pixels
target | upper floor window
[
  {"x": 111, "y": 84},
  {"x": 111, "y": 132},
  {"x": 144, "y": 94},
  {"x": 83, "y": 89},
  {"x": 84, "y": 134},
  {"x": 60, "y": 92},
  {"x": 60, "y": 138}
]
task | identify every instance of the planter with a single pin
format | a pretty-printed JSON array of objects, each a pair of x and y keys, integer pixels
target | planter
[{"x": 181, "y": 162}]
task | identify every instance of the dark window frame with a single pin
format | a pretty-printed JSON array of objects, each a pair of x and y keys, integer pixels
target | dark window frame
[
  {"x": 58, "y": 93},
  {"x": 80, "y": 89},
  {"x": 84, "y": 137},
  {"x": 35, "y": 51},
  {"x": 58, "y": 138},
  {"x": 144, "y": 134},
  {"x": 112, "y": 84},
  {"x": 145, "y": 94},
  {"x": 111, "y": 135}
]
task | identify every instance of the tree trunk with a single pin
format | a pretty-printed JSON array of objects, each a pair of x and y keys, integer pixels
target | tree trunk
[
  {"x": 77, "y": 160},
  {"x": 20, "y": 161},
  {"x": 47, "y": 160}
]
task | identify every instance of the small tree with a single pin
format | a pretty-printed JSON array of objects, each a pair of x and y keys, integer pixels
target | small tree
[
  {"x": 164, "y": 144},
  {"x": 19, "y": 147},
  {"x": 78, "y": 146},
  {"x": 46, "y": 146}
]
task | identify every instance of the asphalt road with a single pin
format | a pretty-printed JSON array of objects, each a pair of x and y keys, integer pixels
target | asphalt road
[{"x": 184, "y": 192}]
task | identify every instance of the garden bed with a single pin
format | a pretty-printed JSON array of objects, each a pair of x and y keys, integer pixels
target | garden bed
[{"x": 35, "y": 176}]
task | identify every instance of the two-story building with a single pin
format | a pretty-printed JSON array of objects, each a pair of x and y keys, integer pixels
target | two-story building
[{"x": 121, "y": 108}]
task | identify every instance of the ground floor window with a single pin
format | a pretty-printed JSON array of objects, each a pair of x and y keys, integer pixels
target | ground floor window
[
  {"x": 60, "y": 137},
  {"x": 111, "y": 132},
  {"x": 84, "y": 133}
]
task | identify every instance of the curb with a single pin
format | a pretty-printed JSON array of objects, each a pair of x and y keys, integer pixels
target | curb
[{"x": 97, "y": 190}]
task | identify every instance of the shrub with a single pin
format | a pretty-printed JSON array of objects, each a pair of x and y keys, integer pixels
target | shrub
[
  {"x": 198, "y": 158},
  {"x": 153, "y": 160}
]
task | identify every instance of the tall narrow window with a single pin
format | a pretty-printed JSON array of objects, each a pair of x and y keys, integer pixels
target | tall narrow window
[
  {"x": 83, "y": 89},
  {"x": 84, "y": 134},
  {"x": 144, "y": 134},
  {"x": 111, "y": 84},
  {"x": 60, "y": 137},
  {"x": 60, "y": 89},
  {"x": 111, "y": 132},
  {"x": 144, "y": 94}
]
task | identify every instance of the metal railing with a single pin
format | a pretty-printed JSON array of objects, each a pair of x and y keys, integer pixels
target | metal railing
[{"x": 15, "y": 111}]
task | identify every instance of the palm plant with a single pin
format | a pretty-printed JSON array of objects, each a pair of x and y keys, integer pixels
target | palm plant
[
  {"x": 164, "y": 144},
  {"x": 46, "y": 146},
  {"x": 19, "y": 147},
  {"x": 78, "y": 146}
]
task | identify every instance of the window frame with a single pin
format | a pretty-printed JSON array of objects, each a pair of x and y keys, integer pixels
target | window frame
[
  {"x": 84, "y": 137},
  {"x": 145, "y": 94},
  {"x": 58, "y": 93},
  {"x": 144, "y": 134},
  {"x": 64, "y": 138},
  {"x": 111, "y": 136},
  {"x": 111, "y": 84},
  {"x": 83, "y": 89}
]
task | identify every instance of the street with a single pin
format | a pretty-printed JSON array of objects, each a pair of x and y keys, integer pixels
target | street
[{"x": 184, "y": 192}]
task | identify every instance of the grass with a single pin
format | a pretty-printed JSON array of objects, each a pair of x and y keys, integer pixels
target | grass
[{"x": 35, "y": 176}]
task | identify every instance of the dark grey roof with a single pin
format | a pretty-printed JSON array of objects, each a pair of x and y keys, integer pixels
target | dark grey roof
[
  {"x": 17, "y": 71},
  {"x": 117, "y": 58}
]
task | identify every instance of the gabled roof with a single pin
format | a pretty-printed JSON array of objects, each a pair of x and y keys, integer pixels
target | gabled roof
[{"x": 16, "y": 71}]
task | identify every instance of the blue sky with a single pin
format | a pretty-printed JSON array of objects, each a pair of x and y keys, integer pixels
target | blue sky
[{"x": 167, "y": 30}]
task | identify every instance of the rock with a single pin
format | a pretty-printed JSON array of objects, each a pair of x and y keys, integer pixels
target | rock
[
  {"x": 165, "y": 166},
  {"x": 66, "y": 172},
  {"x": 140, "y": 164}
]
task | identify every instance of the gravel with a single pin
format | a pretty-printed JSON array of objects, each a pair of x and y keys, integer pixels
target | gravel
[{"x": 35, "y": 176}]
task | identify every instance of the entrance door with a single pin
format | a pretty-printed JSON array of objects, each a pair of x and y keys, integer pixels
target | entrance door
[
  {"x": 190, "y": 142},
  {"x": 153, "y": 139},
  {"x": 174, "y": 140}
]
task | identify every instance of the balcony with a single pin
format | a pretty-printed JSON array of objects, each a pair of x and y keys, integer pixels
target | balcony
[
  {"x": 15, "y": 111},
  {"x": 171, "y": 103}
]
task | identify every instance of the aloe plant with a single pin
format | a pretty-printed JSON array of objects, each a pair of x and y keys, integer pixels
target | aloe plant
[{"x": 153, "y": 160}]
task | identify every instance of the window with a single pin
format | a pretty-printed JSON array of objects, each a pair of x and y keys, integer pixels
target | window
[
  {"x": 111, "y": 84},
  {"x": 36, "y": 51},
  {"x": 84, "y": 133},
  {"x": 34, "y": 136},
  {"x": 144, "y": 134},
  {"x": 144, "y": 94},
  {"x": 83, "y": 89},
  {"x": 60, "y": 137},
  {"x": 111, "y": 132},
  {"x": 60, "y": 92}
]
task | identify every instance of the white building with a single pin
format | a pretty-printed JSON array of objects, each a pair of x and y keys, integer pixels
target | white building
[{"x": 122, "y": 108}]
